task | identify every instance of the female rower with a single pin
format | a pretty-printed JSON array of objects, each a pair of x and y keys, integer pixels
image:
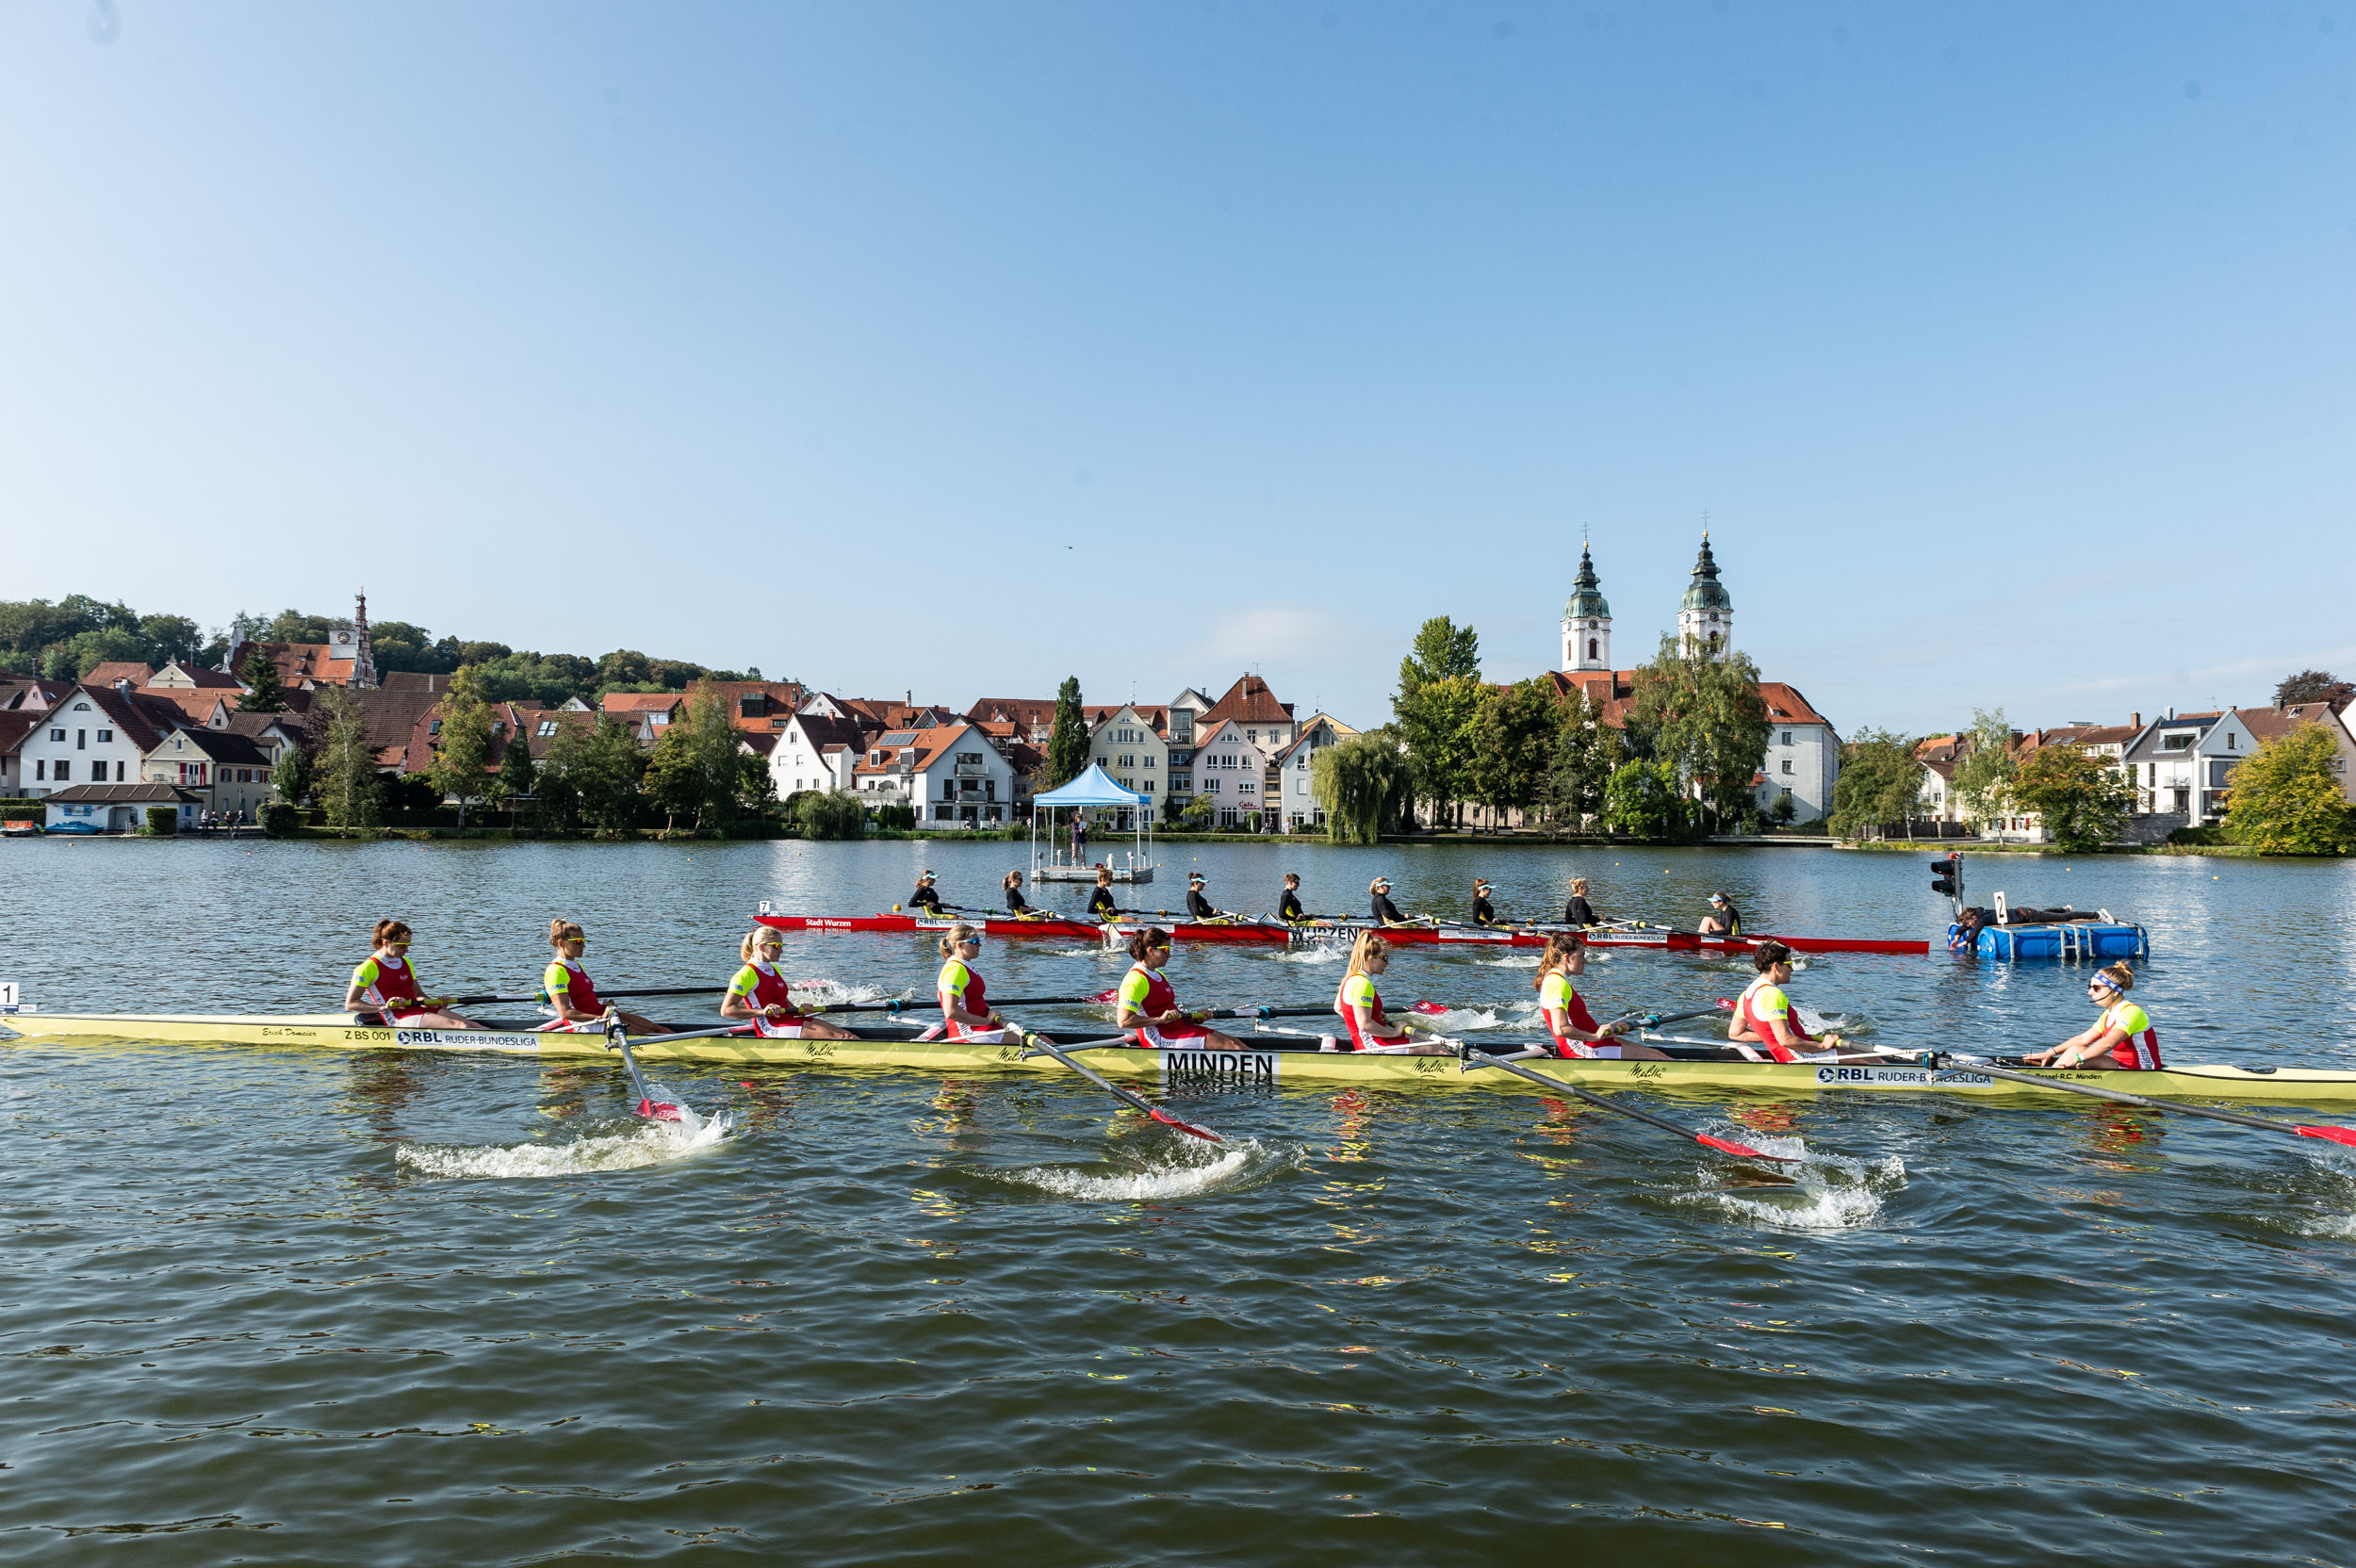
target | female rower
[
  {"x": 965, "y": 1010},
  {"x": 924, "y": 897},
  {"x": 1100, "y": 901},
  {"x": 1288, "y": 908},
  {"x": 570, "y": 990},
  {"x": 1361, "y": 1006},
  {"x": 1386, "y": 912},
  {"x": 760, "y": 994},
  {"x": 1578, "y": 911},
  {"x": 1484, "y": 913},
  {"x": 1016, "y": 905},
  {"x": 1200, "y": 907},
  {"x": 1149, "y": 1008},
  {"x": 1762, "y": 1015},
  {"x": 384, "y": 984},
  {"x": 2122, "y": 1038},
  {"x": 1567, "y": 1018},
  {"x": 1724, "y": 918}
]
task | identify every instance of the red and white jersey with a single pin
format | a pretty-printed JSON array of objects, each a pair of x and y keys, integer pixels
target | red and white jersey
[
  {"x": 1358, "y": 992},
  {"x": 2141, "y": 1051},
  {"x": 759, "y": 987},
  {"x": 388, "y": 985},
  {"x": 567, "y": 975},
  {"x": 1556, "y": 994},
  {"x": 960, "y": 985}
]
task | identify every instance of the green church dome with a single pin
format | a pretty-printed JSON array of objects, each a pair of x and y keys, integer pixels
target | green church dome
[
  {"x": 1707, "y": 591},
  {"x": 1587, "y": 600}
]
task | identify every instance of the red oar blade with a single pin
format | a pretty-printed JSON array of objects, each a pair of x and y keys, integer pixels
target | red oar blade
[
  {"x": 2334, "y": 1134},
  {"x": 1432, "y": 1009},
  {"x": 1186, "y": 1127},
  {"x": 655, "y": 1110},
  {"x": 1105, "y": 996},
  {"x": 1742, "y": 1151}
]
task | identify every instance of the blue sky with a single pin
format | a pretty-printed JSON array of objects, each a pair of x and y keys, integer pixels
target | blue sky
[{"x": 957, "y": 349}]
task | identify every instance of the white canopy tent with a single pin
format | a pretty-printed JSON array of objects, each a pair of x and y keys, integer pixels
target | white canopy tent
[{"x": 1094, "y": 787}]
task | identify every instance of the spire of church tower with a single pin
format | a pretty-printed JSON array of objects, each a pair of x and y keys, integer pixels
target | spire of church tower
[
  {"x": 1586, "y": 621},
  {"x": 1705, "y": 615},
  {"x": 363, "y": 656}
]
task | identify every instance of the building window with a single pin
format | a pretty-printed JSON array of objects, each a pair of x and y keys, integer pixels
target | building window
[
  {"x": 56, "y": 734},
  {"x": 107, "y": 735},
  {"x": 1786, "y": 764},
  {"x": 40, "y": 770},
  {"x": 547, "y": 728},
  {"x": 1210, "y": 787},
  {"x": 1591, "y": 648},
  {"x": 65, "y": 770}
]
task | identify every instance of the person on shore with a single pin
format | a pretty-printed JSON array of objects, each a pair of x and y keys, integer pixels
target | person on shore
[
  {"x": 384, "y": 984},
  {"x": 1384, "y": 911},
  {"x": 1578, "y": 911},
  {"x": 1200, "y": 907},
  {"x": 2121, "y": 1038},
  {"x": 1102, "y": 903},
  {"x": 570, "y": 991},
  {"x": 1483, "y": 913},
  {"x": 1149, "y": 1008},
  {"x": 1763, "y": 1014},
  {"x": 1724, "y": 918},
  {"x": 1288, "y": 908},
  {"x": 926, "y": 897},
  {"x": 1017, "y": 905},
  {"x": 1361, "y": 1005},
  {"x": 965, "y": 1010},
  {"x": 758, "y": 994},
  {"x": 1568, "y": 1021}
]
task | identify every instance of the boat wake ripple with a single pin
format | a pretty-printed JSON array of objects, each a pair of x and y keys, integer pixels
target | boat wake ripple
[
  {"x": 839, "y": 992},
  {"x": 1314, "y": 952},
  {"x": 642, "y": 1143},
  {"x": 1825, "y": 1192},
  {"x": 1186, "y": 1169}
]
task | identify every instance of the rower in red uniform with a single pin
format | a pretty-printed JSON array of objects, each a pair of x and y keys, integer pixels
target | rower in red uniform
[
  {"x": 760, "y": 994},
  {"x": 1762, "y": 1015},
  {"x": 965, "y": 1010},
  {"x": 384, "y": 984},
  {"x": 571, "y": 992},
  {"x": 1361, "y": 1005},
  {"x": 2122, "y": 1038},
  {"x": 1149, "y": 1008},
  {"x": 1573, "y": 1028}
]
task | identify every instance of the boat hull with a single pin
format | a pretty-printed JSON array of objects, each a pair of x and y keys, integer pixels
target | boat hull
[
  {"x": 1277, "y": 932},
  {"x": 1264, "y": 1066}
]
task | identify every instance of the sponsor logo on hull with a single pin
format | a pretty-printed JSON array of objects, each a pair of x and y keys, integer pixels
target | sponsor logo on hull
[
  {"x": 1920, "y": 1077},
  {"x": 1230, "y": 1067}
]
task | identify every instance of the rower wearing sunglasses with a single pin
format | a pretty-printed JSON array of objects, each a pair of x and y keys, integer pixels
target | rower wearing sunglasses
[
  {"x": 384, "y": 984},
  {"x": 965, "y": 1010},
  {"x": 2123, "y": 1038},
  {"x": 572, "y": 995}
]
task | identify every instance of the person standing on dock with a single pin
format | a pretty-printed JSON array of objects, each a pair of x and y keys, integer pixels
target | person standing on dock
[
  {"x": 1288, "y": 908},
  {"x": 1483, "y": 913},
  {"x": 1578, "y": 911},
  {"x": 384, "y": 984},
  {"x": 1724, "y": 918},
  {"x": 2123, "y": 1038},
  {"x": 1384, "y": 911},
  {"x": 924, "y": 897}
]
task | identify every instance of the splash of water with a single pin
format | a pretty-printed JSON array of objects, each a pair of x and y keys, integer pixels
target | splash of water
[
  {"x": 1829, "y": 1192},
  {"x": 1460, "y": 1020},
  {"x": 1317, "y": 953},
  {"x": 841, "y": 992},
  {"x": 1188, "y": 1170},
  {"x": 1520, "y": 960},
  {"x": 643, "y": 1143}
]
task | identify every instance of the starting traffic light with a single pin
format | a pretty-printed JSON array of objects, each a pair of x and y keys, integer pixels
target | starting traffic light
[{"x": 1950, "y": 878}]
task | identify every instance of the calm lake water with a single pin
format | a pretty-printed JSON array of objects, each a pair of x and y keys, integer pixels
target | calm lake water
[{"x": 290, "y": 1306}]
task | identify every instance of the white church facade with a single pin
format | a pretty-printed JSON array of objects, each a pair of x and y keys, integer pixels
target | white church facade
[{"x": 1803, "y": 750}]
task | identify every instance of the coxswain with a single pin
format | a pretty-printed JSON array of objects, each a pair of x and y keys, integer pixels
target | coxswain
[
  {"x": 1100, "y": 901},
  {"x": 1724, "y": 918},
  {"x": 1149, "y": 1008},
  {"x": 1572, "y": 1026},
  {"x": 760, "y": 995},
  {"x": 1763, "y": 1016},
  {"x": 1578, "y": 911},
  {"x": 2122, "y": 1038},
  {"x": 965, "y": 1011},
  {"x": 1361, "y": 1005},
  {"x": 1199, "y": 908},
  {"x": 1017, "y": 905},
  {"x": 1483, "y": 913},
  {"x": 924, "y": 898},
  {"x": 1385, "y": 912},
  {"x": 384, "y": 984},
  {"x": 572, "y": 994},
  {"x": 1288, "y": 908}
]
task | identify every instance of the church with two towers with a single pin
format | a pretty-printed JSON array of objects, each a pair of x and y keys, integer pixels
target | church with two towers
[{"x": 1803, "y": 750}]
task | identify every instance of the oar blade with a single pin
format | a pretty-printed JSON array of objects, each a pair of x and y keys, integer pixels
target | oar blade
[
  {"x": 1742, "y": 1151},
  {"x": 1186, "y": 1127},
  {"x": 1431, "y": 1009},
  {"x": 655, "y": 1110},
  {"x": 2333, "y": 1134}
]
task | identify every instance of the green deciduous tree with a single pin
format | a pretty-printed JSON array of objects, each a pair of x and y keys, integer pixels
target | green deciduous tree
[
  {"x": 830, "y": 814},
  {"x": 1068, "y": 743},
  {"x": 291, "y": 777},
  {"x": 1514, "y": 734},
  {"x": 1880, "y": 781},
  {"x": 2314, "y": 686},
  {"x": 1646, "y": 800},
  {"x": 462, "y": 747},
  {"x": 348, "y": 789},
  {"x": 1586, "y": 753},
  {"x": 1437, "y": 708},
  {"x": 1705, "y": 716},
  {"x": 1363, "y": 784},
  {"x": 2287, "y": 798},
  {"x": 518, "y": 776},
  {"x": 701, "y": 766},
  {"x": 591, "y": 776},
  {"x": 1983, "y": 778},
  {"x": 2083, "y": 800}
]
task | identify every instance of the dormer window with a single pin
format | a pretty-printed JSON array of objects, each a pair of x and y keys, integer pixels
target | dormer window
[{"x": 547, "y": 728}]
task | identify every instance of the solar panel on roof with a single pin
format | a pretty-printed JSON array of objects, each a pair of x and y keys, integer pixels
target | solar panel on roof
[{"x": 897, "y": 738}]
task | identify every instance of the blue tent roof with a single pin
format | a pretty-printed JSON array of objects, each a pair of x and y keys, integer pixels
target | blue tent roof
[{"x": 1094, "y": 788}]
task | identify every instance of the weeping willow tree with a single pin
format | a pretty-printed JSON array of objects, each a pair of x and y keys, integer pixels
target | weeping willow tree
[{"x": 1363, "y": 784}]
